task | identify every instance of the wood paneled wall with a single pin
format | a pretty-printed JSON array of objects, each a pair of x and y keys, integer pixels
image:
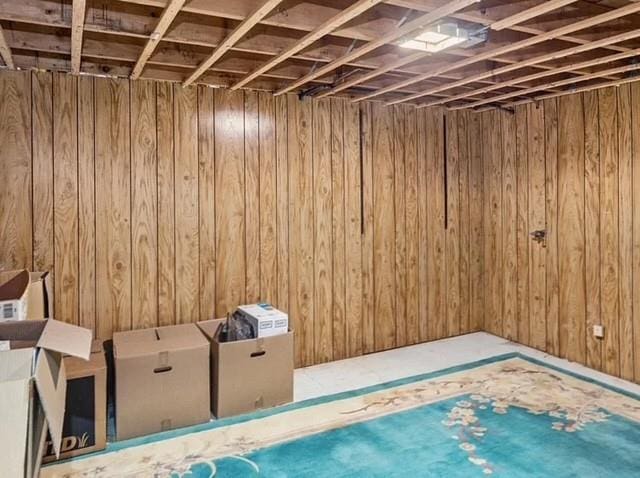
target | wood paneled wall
[
  {"x": 570, "y": 166},
  {"x": 153, "y": 205}
]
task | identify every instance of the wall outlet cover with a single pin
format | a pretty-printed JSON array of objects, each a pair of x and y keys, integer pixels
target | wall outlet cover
[{"x": 598, "y": 331}]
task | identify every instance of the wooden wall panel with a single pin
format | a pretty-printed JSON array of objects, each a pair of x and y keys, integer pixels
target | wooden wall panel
[
  {"x": 173, "y": 205},
  {"x": 509, "y": 228},
  {"x": 229, "y": 199},
  {"x": 576, "y": 178},
  {"x": 144, "y": 202},
  {"x": 16, "y": 237},
  {"x": 65, "y": 198}
]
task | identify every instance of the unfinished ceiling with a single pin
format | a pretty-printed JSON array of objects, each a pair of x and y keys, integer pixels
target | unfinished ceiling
[{"x": 533, "y": 49}]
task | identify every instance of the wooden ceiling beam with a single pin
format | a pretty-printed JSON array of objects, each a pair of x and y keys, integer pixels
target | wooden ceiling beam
[
  {"x": 167, "y": 17},
  {"x": 5, "y": 51},
  {"x": 240, "y": 31},
  {"x": 539, "y": 59},
  {"x": 77, "y": 26},
  {"x": 327, "y": 27},
  {"x": 580, "y": 25},
  {"x": 511, "y": 20},
  {"x": 422, "y": 21},
  {"x": 568, "y": 81}
]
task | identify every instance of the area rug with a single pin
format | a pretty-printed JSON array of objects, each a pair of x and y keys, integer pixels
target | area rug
[{"x": 509, "y": 416}]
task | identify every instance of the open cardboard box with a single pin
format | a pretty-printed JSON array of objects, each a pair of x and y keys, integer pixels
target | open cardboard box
[
  {"x": 249, "y": 375},
  {"x": 33, "y": 387},
  {"x": 24, "y": 295}
]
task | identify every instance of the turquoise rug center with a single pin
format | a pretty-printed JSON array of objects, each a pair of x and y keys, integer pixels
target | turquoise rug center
[{"x": 509, "y": 416}]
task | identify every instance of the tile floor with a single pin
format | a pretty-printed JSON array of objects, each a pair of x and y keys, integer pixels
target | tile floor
[{"x": 358, "y": 372}]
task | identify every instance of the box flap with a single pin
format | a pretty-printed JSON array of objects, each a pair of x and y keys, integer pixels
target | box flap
[
  {"x": 15, "y": 287},
  {"x": 16, "y": 365},
  {"x": 51, "y": 383},
  {"x": 66, "y": 339},
  {"x": 210, "y": 327},
  {"x": 138, "y": 343}
]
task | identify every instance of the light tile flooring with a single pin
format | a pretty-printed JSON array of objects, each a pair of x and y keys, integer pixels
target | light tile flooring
[{"x": 354, "y": 373}]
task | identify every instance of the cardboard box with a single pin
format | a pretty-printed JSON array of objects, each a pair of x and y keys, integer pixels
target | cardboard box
[
  {"x": 24, "y": 295},
  {"x": 85, "y": 422},
  {"x": 266, "y": 319},
  {"x": 249, "y": 375},
  {"x": 33, "y": 388},
  {"x": 162, "y": 379}
]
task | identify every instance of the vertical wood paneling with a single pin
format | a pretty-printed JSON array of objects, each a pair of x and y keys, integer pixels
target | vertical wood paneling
[
  {"x": 186, "y": 203},
  {"x": 412, "y": 228},
  {"x": 592, "y": 227},
  {"x": 476, "y": 202},
  {"x": 65, "y": 196},
  {"x": 252, "y": 196},
  {"x": 113, "y": 207},
  {"x": 551, "y": 243},
  {"x": 16, "y": 239},
  {"x": 572, "y": 299},
  {"x": 383, "y": 228},
  {"x": 268, "y": 206},
  {"x": 86, "y": 205},
  {"x": 423, "y": 224},
  {"x": 368, "y": 293},
  {"x": 399, "y": 137},
  {"x": 609, "y": 245},
  {"x": 144, "y": 210},
  {"x": 207, "y": 202},
  {"x": 522, "y": 228},
  {"x": 301, "y": 226},
  {"x": 42, "y": 124},
  {"x": 635, "y": 145},
  {"x": 166, "y": 205},
  {"x": 338, "y": 228},
  {"x": 465, "y": 222},
  {"x": 353, "y": 233},
  {"x": 436, "y": 259},
  {"x": 229, "y": 199},
  {"x": 322, "y": 232},
  {"x": 537, "y": 222},
  {"x": 282, "y": 200},
  {"x": 452, "y": 232},
  {"x": 509, "y": 230}
]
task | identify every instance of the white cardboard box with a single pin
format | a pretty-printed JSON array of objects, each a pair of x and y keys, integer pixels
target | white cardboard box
[{"x": 267, "y": 320}]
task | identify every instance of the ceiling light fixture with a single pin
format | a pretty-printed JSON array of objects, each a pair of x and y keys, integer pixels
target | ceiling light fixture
[{"x": 437, "y": 38}]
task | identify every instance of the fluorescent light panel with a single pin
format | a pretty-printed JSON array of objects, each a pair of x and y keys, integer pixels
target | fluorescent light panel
[{"x": 438, "y": 38}]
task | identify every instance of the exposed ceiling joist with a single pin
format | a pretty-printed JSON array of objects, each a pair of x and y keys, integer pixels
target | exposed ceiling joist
[
  {"x": 77, "y": 27},
  {"x": 596, "y": 86},
  {"x": 240, "y": 31},
  {"x": 5, "y": 51},
  {"x": 407, "y": 28},
  {"x": 568, "y": 81},
  {"x": 511, "y": 20},
  {"x": 586, "y": 23},
  {"x": 530, "y": 13},
  {"x": 324, "y": 29},
  {"x": 539, "y": 59},
  {"x": 168, "y": 15}
]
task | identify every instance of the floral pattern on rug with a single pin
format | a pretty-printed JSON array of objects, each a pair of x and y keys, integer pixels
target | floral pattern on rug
[{"x": 514, "y": 383}]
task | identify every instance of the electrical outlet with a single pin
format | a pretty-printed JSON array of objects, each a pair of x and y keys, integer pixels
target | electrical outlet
[{"x": 598, "y": 331}]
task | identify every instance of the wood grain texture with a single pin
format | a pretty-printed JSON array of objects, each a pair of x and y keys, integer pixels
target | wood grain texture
[
  {"x": 144, "y": 206},
  {"x": 207, "y": 202},
  {"x": 16, "y": 236},
  {"x": 368, "y": 293},
  {"x": 252, "y": 196},
  {"x": 383, "y": 228},
  {"x": 522, "y": 228},
  {"x": 592, "y": 227},
  {"x": 338, "y": 228},
  {"x": 353, "y": 237},
  {"x": 464, "y": 221},
  {"x": 282, "y": 200},
  {"x": 113, "y": 206},
  {"x": 322, "y": 232},
  {"x": 229, "y": 199},
  {"x": 399, "y": 155},
  {"x": 509, "y": 228},
  {"x": 635, "y": 151},
  {"x": 166, "y": 205},
  {"x": 186, "y": 203},
  {"x": 423, "y": 223},
  {"x": 86, "y": 205},
  {"x": 571, "y": 255},
  {"x": 65, "y": 198},
  {"x": 452, "y": 224},
  {"x": 476, "y": 224},
  {"x": 413, "y": 289}
]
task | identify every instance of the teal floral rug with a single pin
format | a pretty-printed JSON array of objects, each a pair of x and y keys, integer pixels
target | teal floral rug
[{"x": 509, "y": 416}]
